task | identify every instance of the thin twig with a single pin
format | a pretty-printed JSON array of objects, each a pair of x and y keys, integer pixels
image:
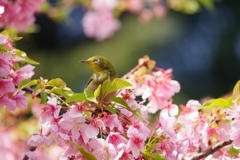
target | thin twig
[
  {"x": 135, "y": 69},
  {"x": 211, "y": 150}
]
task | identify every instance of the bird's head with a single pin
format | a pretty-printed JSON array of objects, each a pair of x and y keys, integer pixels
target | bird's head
[{"x": 99, "y": 64}]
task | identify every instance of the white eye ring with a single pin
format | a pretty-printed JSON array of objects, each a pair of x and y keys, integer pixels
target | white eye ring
[{"x": 96, "y": 60}]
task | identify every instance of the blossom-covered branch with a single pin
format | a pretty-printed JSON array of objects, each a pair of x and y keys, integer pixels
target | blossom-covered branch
[
  {"x": 90, "y": 128},
  {"x": 211, "y": 150}
]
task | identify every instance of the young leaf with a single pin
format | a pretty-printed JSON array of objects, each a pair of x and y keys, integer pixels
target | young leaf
[
  {"x": 59, "y": 92},
  {"x": 112, "y": 110},
  {"x": 25, "y": 83},
  {"x": 44, "y": 97},
  {"x": 58, "y": 83},
  {"x": 137, "y": 112},
  {"x": 3, "y": 48},
  {"x": 7, "y": 34},
  {"x": 24, "y": 55},
  {"x": 76, "y": 97},
  {"x": 158, "y": 156},
  {"x": 90, "y": 95},
  {"x": 220, "y": 102},
  {"x": 236, "y": 91},
  {"x": 97, "y": 91},
  {"x": 121, "y": 101},
  {"x": 86, "y": 154},
  {"x": 116, "y": 84}
]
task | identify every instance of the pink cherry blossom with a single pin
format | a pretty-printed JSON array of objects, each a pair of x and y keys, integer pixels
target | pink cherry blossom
[
  {"x": 9, "y": 103},
  {"x": 92, "y": 130},
  {"x": 102, "y": 149},
  {"x": 3, "y": 38},
  {"x": 136, "y": 141},
  {"x": 19, "y": 13},
  {"x": 100, "y": 25},
  {"x": 32, "y": 155},
  {"x": 50, "y": 110},
  {"x": 191, "y": 109},
  {"x": 20, "y": 99},
  {"x": 6, "y": 86},
  {"x": 112, "y": 121},
  {"x": 141, "y": 127},
  {"x": 38, "y": 139},
  {"x": 115, "y": 138},
  {"x": 235, "y": 136},
  {"x": 134, "y": 6},
  {"x": 234, "y": 113},
  {"x": 168, "y": 148},
  {"x": 123, "y": 152},
  {"x": 26, "y": 72},
  {"x": 73, "y": 124},
  {"x": 170, "y": 110},
  {"x": 1, "y": 10},
  {"x": 5, "y": 68},
  {"x": 157, "y": 87},
  {"x": 104, "y": 4},
  {"x": 167, "y": 124}
]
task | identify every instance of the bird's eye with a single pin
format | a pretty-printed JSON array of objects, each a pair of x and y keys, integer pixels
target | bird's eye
[{"x": 96, "y": 60}]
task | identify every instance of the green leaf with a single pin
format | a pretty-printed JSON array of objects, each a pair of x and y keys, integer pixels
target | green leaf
[
  {"x": 25, "y": 83},
  {"x": 58, "y": 83},
  {"x": 146, "y": 154},
  {"x": 216, "y": 103},
  {"x": 86, "y": 154},
  {"x": 121, "y": 101},
  {"x": 3, "y": 48},
  {"x": 24, "y": 55},
  {"x": 76, "y": 97},
  {"x": 137, "y": 112},
  {"x": 116, "y": 84},
  {"x": 112, "y": 110},
  {"x": 7, "y": 34},
  {"x": 90, "y": 95},
  {"x": 236, "y": 91},
  {"x": 97, "y": 91},
  {"x": 157, "y": 156},
  {"x": 234, "y": 151},
  {"x": 44, "y": 97},
  {"x": 59, "y": 92}
]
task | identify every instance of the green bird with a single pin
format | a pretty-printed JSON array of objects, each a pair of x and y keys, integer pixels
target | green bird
[{"x": 102, "y": 69}]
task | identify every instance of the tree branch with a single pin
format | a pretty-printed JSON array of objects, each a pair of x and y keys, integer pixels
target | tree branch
[
  {"x": 135, "y": 69},
  {"x": 211, "y": 150},
  {"x": 30, "y": 149}
]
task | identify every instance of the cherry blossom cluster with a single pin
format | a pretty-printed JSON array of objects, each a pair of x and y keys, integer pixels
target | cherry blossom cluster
[
  {"x": 18, "y": 13},
  {"x": 11, "y": 74},
  {"x": 117, "y": 132},
  {"x": 157, "y": 87},
  {"x": 101, "y": 23},
  {"x": 101, "y": 19},
  {"x": 104, "y": 134}
]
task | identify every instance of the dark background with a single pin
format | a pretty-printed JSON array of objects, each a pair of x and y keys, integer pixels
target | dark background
[{"x": 203, "y": 48}]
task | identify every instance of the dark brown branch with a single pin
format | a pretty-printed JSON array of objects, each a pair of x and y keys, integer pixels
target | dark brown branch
[
  {"x": 30, "y": 149},
  {"x": 211, "y": 150},
  {"x": 28, "y": 90}
]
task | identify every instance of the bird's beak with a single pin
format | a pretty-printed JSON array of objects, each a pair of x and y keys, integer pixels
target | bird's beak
[{"x": 84, "y": 61}]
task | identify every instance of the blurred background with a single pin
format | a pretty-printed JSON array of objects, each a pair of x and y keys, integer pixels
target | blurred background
[{"x": 202, "y": 48}]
